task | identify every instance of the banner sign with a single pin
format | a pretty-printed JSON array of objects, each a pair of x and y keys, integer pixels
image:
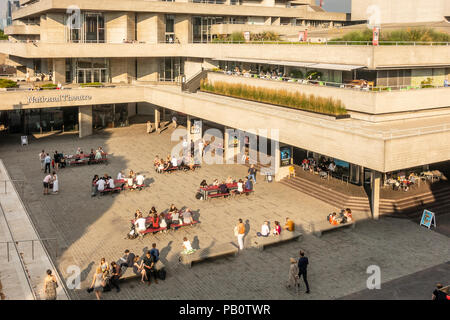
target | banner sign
[
  {"x": 24, "y": 140},
  {"x": 303, "y": 36},
  {"x": 60, "y": 98},
  {"x": 428, "y": 219},
  {"x": 376, "y": 36},
  {"x": 286, "y": 156}
]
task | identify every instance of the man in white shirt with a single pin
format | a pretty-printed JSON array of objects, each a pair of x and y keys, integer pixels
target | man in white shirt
[
  {"x": 101, "y": 185},
  {"x": 140, "y": 224},
  {"x": 47, "y": 161},
  {"x": 120, "y": 176},
  {"x": 111, "y": 183},
  {"x": 265, "y": 230},
  {"x": 140, "y": 179}
]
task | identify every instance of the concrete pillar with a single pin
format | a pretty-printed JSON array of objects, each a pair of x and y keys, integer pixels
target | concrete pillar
[
  {"x": 375, "y": 178},
  {"x": 157, "y": 119},
  {"x": 59, "y": 71},
  {"x": 183, "y": 28},
  {"x": 226, "y": 143},
  {"x": 85, "y": 121}
]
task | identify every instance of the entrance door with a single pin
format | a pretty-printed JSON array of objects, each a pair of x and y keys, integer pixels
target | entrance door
[{"x": 97, "y": 75}]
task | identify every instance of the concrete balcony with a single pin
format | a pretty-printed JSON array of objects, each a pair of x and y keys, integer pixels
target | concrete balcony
[
  {"x": 175, "y": 8},
  {"x": 366, "y": 102},
  {"x": 368, "y": 56},
  {"x": 23, "y": 29},
  {"x": 382, "y": 147}
]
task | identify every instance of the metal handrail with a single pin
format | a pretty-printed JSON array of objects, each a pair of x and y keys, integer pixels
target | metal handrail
[{"x": 263, "y": 42}]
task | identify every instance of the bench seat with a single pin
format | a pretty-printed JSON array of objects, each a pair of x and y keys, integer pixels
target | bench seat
[
  {"x": 183, "y": 225},
  {"x": 129, "y": 273},
  {"x": 261, "y": 242},
  {"x": 111, "y": 190},
  {"x": 319, "y": 227},
  {"x": 152, "y": 230},
  {"x": 209, "y": 252}
]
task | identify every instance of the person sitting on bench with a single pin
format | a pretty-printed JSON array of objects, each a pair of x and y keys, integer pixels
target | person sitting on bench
[
  {"x": 130, "y": 182},
  {"x": 174, "y": 162},
  {"x": 138, "y": 268},
  {"x": 101, "y": 185},
  {"x": 149, "y": 267},
  {"x": 138, "y": 214},
  {"x": 127, "y": 260},
  {"x": 140, "y": 179},
  {"x": 155, "y": 221},
  {"x": 333, "y": 219},
  {"x": 277, "y": 229},
  {"x": 152, "y": 212},
  {"x": 120, "y": 176},
  {"x": 167, "y": 165},
  {"x": 110, "y": 182},
  {"x": 162, "y": 220},
  {"x": 240, "y": 187},
  {"x": 98, "y": 154},
  {"x": 91, "y": 156},
  {"x": 215, "y": 182},
  {"x": 229, "y": 180},
  {"x": 175, "y": 218},
  {"x": 265, "y": 230},
  {"x": 160, "y": 167},
  {"x": 173, "y": 209},
  {"x": 223, "y": 189},
  {"x": 348, "y": 214},
  {"x": 187, "y": 216},
  {"x": 290, "y": 225},
  {"x": 156, "y": 163},
  {"x": 203, "y": 184},
  {"x": 140, "y": 224},
  {"x": 94, "y": 186}
]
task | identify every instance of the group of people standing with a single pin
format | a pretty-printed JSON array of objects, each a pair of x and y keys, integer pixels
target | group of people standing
[{"x": 51, "y": 181}]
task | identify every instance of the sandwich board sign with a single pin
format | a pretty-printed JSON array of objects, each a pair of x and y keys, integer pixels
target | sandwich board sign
[
  {"x": 24, "y": 140},
  {"x": 428, "y": 219}
]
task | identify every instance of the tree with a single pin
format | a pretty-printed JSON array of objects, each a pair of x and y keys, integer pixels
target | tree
[{"x": 3, "y": 36}]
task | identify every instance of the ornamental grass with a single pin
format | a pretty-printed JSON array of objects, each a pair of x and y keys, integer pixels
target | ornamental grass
[{"x": 280, "y": 97}]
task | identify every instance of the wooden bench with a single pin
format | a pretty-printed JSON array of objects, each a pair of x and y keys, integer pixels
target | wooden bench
[
  {"x": 207, "y": 253},
  {"x": 94, "y": 161},
  {"x": 108, "y": 190},
  {"x": 152, "y": 230},
  {"x": 129, "y": 273},
  {"x": 173, "y": 226},
  {"x": 317, "y": 228},
  {"x": 140, "y": 187},
  {"x": 261, "y": 242},
  {"x": 218, "y": 195}
]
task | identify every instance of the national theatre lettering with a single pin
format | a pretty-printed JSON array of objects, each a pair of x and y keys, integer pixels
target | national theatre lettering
[{"x": 60, "y": 98}]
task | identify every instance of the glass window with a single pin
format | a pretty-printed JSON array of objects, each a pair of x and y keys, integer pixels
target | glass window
[{"x": 170, "y": 23}]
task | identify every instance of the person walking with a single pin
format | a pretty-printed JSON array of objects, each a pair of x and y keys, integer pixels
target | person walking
[
  {"x": 293, "y": 274},
  {"x": 252, "y": 173},
  {"x": 98, "y": 282},
  {"x": 47, "y": 162},
  {"x": 302, "y": 269},
  {"x": 55, "y": 183},
  {"x": 42, "y": 159},
  {"x": 239, "y": 232},
  {"x": 50, "y": 285}
]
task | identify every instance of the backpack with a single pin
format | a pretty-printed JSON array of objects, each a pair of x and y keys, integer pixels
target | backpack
[{"x": 199, "y": 196}]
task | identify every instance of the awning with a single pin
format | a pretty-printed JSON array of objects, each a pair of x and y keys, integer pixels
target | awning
[{"x": 309, "y": 65}]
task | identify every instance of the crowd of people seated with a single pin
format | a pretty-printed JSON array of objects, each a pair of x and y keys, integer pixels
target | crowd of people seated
[
  {"x": 223, "y": 187},
  {"x": 345, "y": 216},
  {"x": 173, "y": 163},
  {"x": 168, "y": 219},
  {"x": 105, "y": 183},
  {"x": 277, "y": 229},
  {"x": 323, "y": 168}
]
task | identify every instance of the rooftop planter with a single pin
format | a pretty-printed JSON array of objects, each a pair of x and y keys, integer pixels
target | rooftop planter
[
  {"x": 283, "y": 98},
  {"x": 6, "y": 83}
]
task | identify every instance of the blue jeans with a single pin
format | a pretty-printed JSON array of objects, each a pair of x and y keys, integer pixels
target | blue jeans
[{"x": 252, "y": 176}]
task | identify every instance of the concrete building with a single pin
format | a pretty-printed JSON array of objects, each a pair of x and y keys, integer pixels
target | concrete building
[
  {"x": 146, "y": 57},
  {"x": 401, "y": 11}
]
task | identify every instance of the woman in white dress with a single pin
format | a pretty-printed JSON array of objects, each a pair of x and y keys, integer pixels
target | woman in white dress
[{"x": 55, "y": 183}]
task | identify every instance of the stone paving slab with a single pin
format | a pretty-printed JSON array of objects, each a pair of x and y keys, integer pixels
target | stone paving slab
[{"x": 91, "y": 228}]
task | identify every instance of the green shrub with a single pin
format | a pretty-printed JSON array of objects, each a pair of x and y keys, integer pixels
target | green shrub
[
  {"x": 401, "y": 35},
  {"x": 48, "y": 86},
  {"x": 92, "y": 84},
  {"x": 281, "y": 97},
  {"x": 296, "y": 74},
  {"x": 6, "y": 83}
]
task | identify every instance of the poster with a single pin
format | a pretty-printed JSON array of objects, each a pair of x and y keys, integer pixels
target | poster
[
  {"x": 376, "y": 36},
  {"x": 428, "y": 219},
  {"x": 286, "y": 156},
  {"x": 247, "y": 36},
  {"x": 303, "y": 36}
]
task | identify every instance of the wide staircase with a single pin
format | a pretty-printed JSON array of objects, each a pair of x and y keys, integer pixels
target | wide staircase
[
  {"x": 437, "y": 201},
  {"x": 193, "y": 84}
]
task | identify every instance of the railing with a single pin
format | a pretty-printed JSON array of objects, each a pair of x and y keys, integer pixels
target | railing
[
  {"x": 193, "y": 84},
  {"x": 4, "y": 184},
  {"x": 340, "y": 85},
  {"x": 17, "y": 242},
  {"x": 263, "y": 42}
]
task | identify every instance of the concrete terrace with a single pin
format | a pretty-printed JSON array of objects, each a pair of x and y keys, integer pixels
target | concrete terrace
[{"x": 88, "y": 228}]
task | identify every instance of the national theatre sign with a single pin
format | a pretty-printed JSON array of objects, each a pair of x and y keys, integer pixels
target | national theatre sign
[{"x": 60, "y": 98}]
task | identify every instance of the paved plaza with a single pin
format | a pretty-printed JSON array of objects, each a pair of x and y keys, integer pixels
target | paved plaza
[{"x": 88, "y": 228}]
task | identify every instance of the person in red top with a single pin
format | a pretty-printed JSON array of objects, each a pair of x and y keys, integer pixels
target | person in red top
[
  {"x": 155, "y": 221},
  {"x": 277, "y": 229},
  {"x": 333, "y": 219}
]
